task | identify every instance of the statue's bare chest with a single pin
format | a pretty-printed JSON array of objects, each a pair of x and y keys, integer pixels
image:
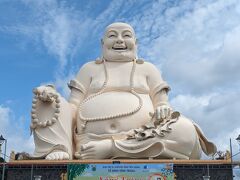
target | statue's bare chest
[{"x": 118, "y": 78}]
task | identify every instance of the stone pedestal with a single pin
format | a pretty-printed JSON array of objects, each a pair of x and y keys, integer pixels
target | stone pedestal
[{"x": 54, "y": 170}]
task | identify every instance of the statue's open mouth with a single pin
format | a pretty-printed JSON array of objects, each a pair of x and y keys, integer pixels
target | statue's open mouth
[{"x": 119, "y": 48}]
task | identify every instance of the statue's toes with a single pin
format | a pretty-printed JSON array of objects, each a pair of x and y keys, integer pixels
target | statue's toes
[
  {"x": 50, "y": 157},
  {"x": 65, "y": 156}
]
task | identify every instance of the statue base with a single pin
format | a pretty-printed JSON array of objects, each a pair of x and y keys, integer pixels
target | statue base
[{"x": 123, "y": 169}]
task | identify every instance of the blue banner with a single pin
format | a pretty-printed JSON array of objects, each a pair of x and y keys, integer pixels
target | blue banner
[{"x": 120, "y": 172}]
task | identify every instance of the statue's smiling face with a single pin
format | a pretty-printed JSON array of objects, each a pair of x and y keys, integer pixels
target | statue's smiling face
[{"x": 119, "y": 43}]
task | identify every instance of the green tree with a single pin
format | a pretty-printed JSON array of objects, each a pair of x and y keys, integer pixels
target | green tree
[{"x": 75, "y": 170}]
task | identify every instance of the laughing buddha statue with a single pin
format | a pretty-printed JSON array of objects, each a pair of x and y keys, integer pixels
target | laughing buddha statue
[{"x": 118, "y": 108}]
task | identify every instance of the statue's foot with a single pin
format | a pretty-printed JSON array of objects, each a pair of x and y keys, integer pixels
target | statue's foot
[
  {"x": 58, "y": 156},
  {"x": 95, "y": 150}
]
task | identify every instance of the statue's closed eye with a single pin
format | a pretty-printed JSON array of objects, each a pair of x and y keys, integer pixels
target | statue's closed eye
[{"x": 112, "y": 35}]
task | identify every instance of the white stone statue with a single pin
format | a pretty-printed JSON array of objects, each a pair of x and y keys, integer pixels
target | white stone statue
[{"x": 118, "y": 108}]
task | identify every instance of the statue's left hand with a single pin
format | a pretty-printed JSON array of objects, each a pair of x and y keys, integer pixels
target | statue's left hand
[
  {"x": 59, "y": 155},
  {"x": 96, "y": 150}
]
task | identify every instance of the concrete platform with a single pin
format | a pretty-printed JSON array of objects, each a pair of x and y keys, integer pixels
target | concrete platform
[{"x": 53, "y": 170}]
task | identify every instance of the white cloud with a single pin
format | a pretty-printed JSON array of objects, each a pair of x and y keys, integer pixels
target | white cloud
[
  {"x": 61, "y": 83},
  {"x": 59, "y": 27},
  {"x": 223, "y": 141},
  {"x": 196, "y": 45},
  {"x": 12, "y": 129},
  {"x": 217, "y": 114},
  {"x": 4, "y": 117},
  {"x": 63, "y": 31}
]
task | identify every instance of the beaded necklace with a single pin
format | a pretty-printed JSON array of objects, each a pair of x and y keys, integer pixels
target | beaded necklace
[{"x": 84, "y": 120}]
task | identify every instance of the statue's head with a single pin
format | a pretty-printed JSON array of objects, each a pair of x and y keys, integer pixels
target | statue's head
[{"x": 119, "y": 42}]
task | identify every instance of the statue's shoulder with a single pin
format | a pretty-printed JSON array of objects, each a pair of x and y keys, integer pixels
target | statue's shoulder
[
  {"x": 89, "y": 65},
  {"x": 87, "y": 68},
  {"x": 145, "y": 63},
  {"x": 93, "y": 63}
]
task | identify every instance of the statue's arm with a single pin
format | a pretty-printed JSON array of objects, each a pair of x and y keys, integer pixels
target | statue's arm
[
  {"x": 75, "y": 98},
  {"x": 160, "y": 98},
  {"x": 79, "y": 88},
  {"x": 158, "y": 89}
]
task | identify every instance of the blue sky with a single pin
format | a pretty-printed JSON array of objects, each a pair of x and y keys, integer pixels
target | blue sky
[{"x": 195, "y": 44}]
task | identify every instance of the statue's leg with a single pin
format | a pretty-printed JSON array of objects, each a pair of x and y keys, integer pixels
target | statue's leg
[
  {"x": 180, "y": 142},
  {"x": 55, "y": 136},
  {"x": 183, "y": 139}
]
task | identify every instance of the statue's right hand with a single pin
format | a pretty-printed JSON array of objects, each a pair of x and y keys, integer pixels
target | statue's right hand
[
  {"x": 163, "y": 112},
  {"x": 46, "y": 93},
  {"x": 59, "y": 155}
]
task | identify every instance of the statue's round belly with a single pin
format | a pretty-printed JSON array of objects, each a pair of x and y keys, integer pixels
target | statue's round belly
[{"x": 113, "y": 103}]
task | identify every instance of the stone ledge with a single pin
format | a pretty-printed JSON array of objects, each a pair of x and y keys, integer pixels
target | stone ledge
[{"x": 110, "y": 161}]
